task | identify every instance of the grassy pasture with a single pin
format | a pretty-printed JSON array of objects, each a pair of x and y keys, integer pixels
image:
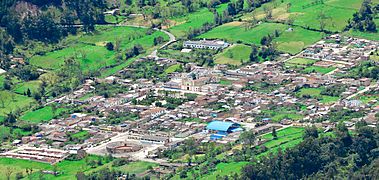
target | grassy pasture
[
  {"x": 306, "y": 14},
  {"x": 301, "y": 61},
  {"x": 316, "y": 93},
  {"x": 234, "y": 55},
  {"x": 322, "y": 70},
  {"x": 10, "y": 102},
  {"x": 182, "y": 24},
  {"x": 90, "y": 51},
  {"x": 172, "y": 68},
  {"x": 295, "y": 41},
  {"x": 233, "y": 32},
  {"x": 135, "y": 167},
  {"x": 44, "y": 114},
  {"x": 23, "y": 87}
]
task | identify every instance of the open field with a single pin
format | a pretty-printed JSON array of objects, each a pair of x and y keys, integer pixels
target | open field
[
  {"x": 22, "y": 88},
  {"x": 44, "y": 114},
  {"x": 89, "y": 50},
  {"x": 305, "y": 13},
  {"x": 10, "y": 102},
  {"x": 234, "y": 31},
  {"x": 181, "y": 25},
  {"x": 224, "y": 169},
  {"x": 322, "y": 70},
  {"x": 136, "y": 167},
  {"x": 315, "y": 93},
  {"x": 66, "y": 167},
  {"x": 295, "y": 41},
  {"x": 234, "y": 55},
  {"x": 172, "y": 68},
  {"x": 289, "y": 41},
  {"x": 301, "y": 61}
]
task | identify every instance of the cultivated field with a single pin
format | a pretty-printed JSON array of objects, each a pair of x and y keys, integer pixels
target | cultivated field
[{"x": 90, "y": 50}]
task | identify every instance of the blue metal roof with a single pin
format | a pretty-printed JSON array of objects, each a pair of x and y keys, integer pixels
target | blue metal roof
[{"x": 219, "y": 125}]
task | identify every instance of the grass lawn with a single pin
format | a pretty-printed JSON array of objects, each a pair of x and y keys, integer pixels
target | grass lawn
[
  {"x": 135, "y": 167},
  {"x": 44, "y": 114},
  {"x": 172, "y": 68},
  {"x": 10, "y": 101},
  {"x": 225, "y": 82},
  {"x": 82, "y": 135},
  {"x": 234, "y": 55},
  {"x": 301, "y": 61},
  {"x": 318, "y": 69},
  {"x": 89, "y": 49},
  {"x": 235, "y": 31}
]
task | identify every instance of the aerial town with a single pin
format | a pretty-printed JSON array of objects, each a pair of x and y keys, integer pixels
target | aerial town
[
  {"x": 189, "y": 89},
  {"x": 208, "y": 111}
]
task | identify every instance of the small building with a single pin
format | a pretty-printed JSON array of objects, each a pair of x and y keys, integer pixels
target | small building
[
  {"x": 221, "y": 129},
  {"x": 206, "y": 44}
]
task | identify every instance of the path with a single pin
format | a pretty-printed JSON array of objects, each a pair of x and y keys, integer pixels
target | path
[{"x": 362, "y": 91}]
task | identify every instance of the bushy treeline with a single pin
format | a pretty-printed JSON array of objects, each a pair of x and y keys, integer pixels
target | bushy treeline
[
  {"x": 342, "y": 157},
  {"x": 363, "y": 20}
]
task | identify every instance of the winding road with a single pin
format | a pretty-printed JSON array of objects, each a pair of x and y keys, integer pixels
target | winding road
[{"x": 152, "y": 54}]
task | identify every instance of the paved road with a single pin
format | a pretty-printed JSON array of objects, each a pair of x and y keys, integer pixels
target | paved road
[{"x": 172, "y": 39}]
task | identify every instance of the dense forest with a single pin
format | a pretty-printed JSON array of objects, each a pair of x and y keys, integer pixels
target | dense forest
[
  {"x": 46, "y": 21},
  {"x": 344, "y": 156}
]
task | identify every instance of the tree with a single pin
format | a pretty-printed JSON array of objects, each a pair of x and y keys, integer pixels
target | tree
[
  {"x": 274, "y": 134},
  {"x": 254, "y": 54},
  {"x": 310, "y": 132},
  {"x": 10, "y": 119},
  {"x": 109, "y": 46},
  {"x": 28, "y": 92},
  {"x": 248, "y": 138}
]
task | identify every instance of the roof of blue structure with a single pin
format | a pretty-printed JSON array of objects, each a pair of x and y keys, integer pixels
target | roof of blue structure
[{"x": 220, "y": 125}]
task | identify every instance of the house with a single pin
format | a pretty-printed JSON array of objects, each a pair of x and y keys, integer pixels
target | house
[
  {"x": 206, "y": 44},
  {"x": 153, "y": 113}
]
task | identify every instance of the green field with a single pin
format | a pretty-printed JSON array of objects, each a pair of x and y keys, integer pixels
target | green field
[
  {"x": 224, "y": 169},
  {"x": 316, "y": 93},
  {"x": 44, "y": 114},
  {"x": 295, "y": 41},
  {"x": 234, "y": 55},
  {"x": 172, "y": 68},
  {"x": 10, "y": 102},
  {"x": 89, "y": 50},
  {"x": 22, "y": 88},
  {"x": 181, "y": 25},
  {"x": 235, "y": 31},
  {"x": 321, "y": 70},
  {"x": 136, "y": 167},
  {"x": 289, "y": 41},
  {"x": 68, "y": 169},
  {"x": 225, "y": 82},
  {"x": 301, "y": 61},
  {"x": 306, "y": 13}
]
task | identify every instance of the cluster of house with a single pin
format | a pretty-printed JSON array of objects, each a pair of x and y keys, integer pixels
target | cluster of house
[
  {"x": 220, "y": 110},
  {"x": 341, "y": 48}
]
